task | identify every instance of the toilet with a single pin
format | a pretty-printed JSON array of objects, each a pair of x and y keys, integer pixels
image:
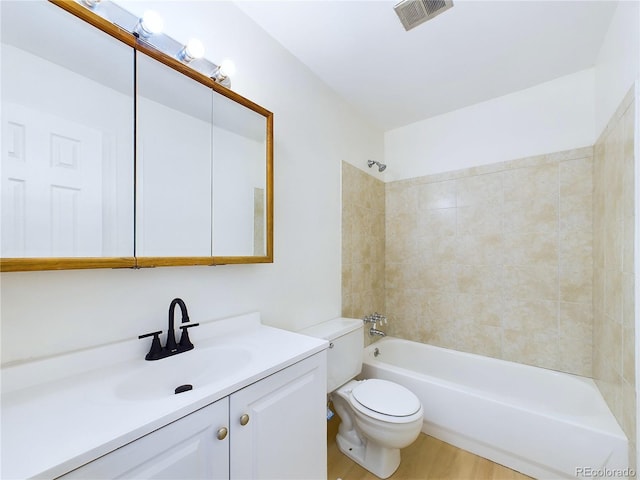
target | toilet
[{"x": 379, "y": 417}]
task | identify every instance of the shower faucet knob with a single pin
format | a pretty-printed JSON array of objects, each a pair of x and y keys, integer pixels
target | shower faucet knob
[{"x": 375, "y": 318}]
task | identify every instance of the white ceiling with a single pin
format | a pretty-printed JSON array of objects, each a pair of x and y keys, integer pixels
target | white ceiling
[{"x": 473, "y": 52}]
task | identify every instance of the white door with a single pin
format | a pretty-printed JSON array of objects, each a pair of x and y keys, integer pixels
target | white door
[
  {"x": 51, "y": 186},
  {"x": 284, "y": 435}
]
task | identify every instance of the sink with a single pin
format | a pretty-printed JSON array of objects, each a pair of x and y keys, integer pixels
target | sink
[{"x": 199, "y": 368}]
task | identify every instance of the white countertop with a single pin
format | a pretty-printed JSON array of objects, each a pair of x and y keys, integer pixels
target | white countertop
[{"x": 62, "y": 412}]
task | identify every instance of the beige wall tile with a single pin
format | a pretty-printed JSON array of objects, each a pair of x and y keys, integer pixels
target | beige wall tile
[
  {"x": 576, "y": 283},
  {"x": 481, "y": 309},
  {"x": 528, "y": 316},
  {"x": 534, "y": 348},
  {"x": 402, "y": 248},
  {"x": 434, "y": 249},
  {"x": 363, "y": 243},
  {"x": 576, "y": 177},
  {"x": 441, "y": 221},
  {"x": 401, "y": 275},
  {"x": 479, "y": 279},
  {"x": 628, "y": 326},
  {"x": 628, "y": 244},
  {"x": 574, "y": 357},
  {"x": 402, "y": 223},
  {"x": 531, "y": 248},
  {"x": 402, "y": 304},
  {"x": 498, "y": 247},
  {"x": 479, "y": 219},
  {"x": 437, "y": 195},
  {"x": 531, "y": 282},
  {"x": 576, "y": 248},
  {"x": 612, "y": 393},
  {"x": 575, "y": 153},
  {"x": 479, "y": 249},
  {"x": 575, "y": 212},
  {"x": 482, "y": 340},
  {"x": 479, "y": 190},
  {"x": 437, "y": 305},
  {"x": 533, "y": 215},
  {"x": 445, "y": 334},
  {"x": 529, "y": 183},
  {"x": 437, "y": 277},
  {"x": 629, "y": 410},
  {"x": 400, "y": 199},
  {"x": 613, "y": 295},
  {"x": 575, "y": 321}
]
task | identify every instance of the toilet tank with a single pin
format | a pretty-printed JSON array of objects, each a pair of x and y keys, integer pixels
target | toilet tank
[{"x": 346, "y": 346}]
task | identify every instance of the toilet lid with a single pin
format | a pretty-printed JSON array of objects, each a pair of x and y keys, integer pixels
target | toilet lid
[{"x": 386, "y": 397}]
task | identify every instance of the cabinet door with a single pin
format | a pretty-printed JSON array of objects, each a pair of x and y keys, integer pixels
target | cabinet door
[
  {"x": 284, "y": 431},
  {"x": 187, "y": 448}
]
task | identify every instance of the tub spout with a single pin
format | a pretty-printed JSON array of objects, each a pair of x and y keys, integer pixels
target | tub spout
[{"x": 374, "y": 331}]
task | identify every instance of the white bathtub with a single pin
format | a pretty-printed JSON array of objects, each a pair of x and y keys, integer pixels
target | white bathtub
[{"x": 540, "y": 422}]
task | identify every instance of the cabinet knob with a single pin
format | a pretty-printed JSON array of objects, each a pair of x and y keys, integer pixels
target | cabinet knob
[
  {"x": 244, "y": 419},
  {"x": 222, "y": 433}
]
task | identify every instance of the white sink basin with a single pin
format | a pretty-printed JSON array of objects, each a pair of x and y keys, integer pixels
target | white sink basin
[{"x": 200, "y": 367}]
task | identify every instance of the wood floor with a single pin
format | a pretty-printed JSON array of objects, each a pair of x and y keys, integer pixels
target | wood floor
[{"x": 426, "y": 459}]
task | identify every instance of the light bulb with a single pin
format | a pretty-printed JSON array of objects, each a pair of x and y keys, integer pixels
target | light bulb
[
  {"x": 191, "y": 51},
  {"x": 151, "y": 23},
  {"x": 227, "y": 68},
  {"x": 194, "y": 48}
]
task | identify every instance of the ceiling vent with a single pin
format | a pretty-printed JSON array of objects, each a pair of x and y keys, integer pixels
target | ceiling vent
[{"x": 414, "y": 12}]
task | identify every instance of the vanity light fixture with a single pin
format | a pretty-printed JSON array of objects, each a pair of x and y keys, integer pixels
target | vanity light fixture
[
  {"x": 151, "y": 23},
  {"x": 191, "y": 51},
  {"x": 148, "y": 29}
]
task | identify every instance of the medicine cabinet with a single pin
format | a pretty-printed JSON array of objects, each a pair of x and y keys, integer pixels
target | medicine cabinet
[{"x": 117, "y": 155}]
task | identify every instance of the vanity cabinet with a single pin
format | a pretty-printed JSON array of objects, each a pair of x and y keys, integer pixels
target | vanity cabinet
[
  {"x": 186, "y": 448},
  {"x": 274, "y": 428}
]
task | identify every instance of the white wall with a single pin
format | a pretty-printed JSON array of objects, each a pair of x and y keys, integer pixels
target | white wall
[
  {"x": 618, "y": 63},
  {"x": 553, "y": 116},
  {"x": 44, "y": 313}
]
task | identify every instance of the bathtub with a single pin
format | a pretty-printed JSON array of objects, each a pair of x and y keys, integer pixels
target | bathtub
[{"x": 542, "y": 423}]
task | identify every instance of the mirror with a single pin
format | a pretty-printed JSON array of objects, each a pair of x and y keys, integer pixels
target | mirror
[
  {"x": 202, "y": 189},
  {"x": 173, "y": 162},
  {"x": 67, "y": 136},
  {"x": 239, "y": 179}
]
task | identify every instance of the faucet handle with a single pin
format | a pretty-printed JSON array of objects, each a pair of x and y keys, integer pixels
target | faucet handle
[
  {"x": 185, "y": 341},
  {"x": 369, "y": 318},
  {"x": 156, "y": 346},
  {"x": 375, "y": 318}
]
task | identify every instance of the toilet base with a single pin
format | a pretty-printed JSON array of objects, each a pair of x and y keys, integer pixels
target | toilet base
[{"x": 380, "y": 461}]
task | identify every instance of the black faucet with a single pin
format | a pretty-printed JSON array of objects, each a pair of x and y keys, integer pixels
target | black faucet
[{"x": 157, "y": 351}]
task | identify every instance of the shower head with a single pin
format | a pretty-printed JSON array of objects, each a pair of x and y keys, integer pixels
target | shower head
[{"x": 381, "y": 166}]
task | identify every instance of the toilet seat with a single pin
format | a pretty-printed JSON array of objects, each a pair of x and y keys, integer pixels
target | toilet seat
[{"x": 385, "y": 401}]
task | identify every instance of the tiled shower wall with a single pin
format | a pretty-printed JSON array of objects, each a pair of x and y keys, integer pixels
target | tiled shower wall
[
  {"x": 613, "y": 242},
  {"x": 363, "y": 243},
  {"x": 496, "y": 260}
]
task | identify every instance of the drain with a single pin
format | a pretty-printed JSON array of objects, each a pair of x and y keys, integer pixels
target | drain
[{"x": 183, "y": 388}]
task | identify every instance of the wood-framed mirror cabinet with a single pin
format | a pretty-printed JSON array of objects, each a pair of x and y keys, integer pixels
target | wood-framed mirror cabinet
[{"x": 179, "y": 179}]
